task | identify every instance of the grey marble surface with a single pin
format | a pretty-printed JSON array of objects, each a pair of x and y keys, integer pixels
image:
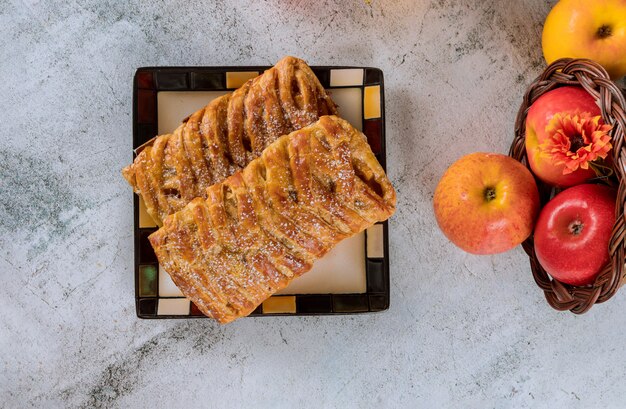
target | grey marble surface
[{"x": 462, "y": 331}]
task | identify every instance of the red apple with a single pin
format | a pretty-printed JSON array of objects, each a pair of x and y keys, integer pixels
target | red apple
[
  {"x": 575, "y": 105},
  {"x": 486, "y": 203},
  {"x": 573, "y": 232}
]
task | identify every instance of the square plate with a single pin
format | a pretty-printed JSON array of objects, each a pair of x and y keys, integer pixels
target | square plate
[{"x": 351, "y": 278}]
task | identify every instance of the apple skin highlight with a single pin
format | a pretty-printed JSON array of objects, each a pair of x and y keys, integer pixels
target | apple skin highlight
[
  {"x": 573, "y": 231},
  {"x": 486, "y": 203}
]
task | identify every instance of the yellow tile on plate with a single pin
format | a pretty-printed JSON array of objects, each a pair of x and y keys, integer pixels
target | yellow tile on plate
[
  {"x": 371, "y": 102},
  {"x": 236, "y": 79},
  {"x": 279, "y": 305},
  {"x": 144, "y": 218}
]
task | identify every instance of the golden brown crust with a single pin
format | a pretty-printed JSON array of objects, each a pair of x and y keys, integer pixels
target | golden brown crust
[
  {"x": 226, "y": 135},
  {"x": 268, "y": 223}
]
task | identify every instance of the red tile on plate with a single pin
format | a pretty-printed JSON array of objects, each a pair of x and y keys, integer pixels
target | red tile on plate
[
  {"x": 373, "y": 129},
  {"x": 195, "y": 311},
  {"x": 144, "y": 80}
]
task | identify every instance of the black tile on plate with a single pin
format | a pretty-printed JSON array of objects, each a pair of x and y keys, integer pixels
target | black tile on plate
[
  {"x": 322, "y": 74},
  {"x": 373, "y": 76},
  {"x": 258, "y": 310},
  {"x": 208, "y": 81},
  {"x": 145, "y": 132},
  {"x": 172, "y": 81},
  {"x": 148, "y": 307},
  {"x": 146, "y": 253},
  {"x": 350, "y": 303},
  {"x": 376, "y": 278},
  {"x": 379, "y": 302},
  {"x": 373, "y": 128},
  {"x": 313, "y": 304}
]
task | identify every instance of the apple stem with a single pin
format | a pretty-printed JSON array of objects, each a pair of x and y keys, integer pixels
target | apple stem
[
  {"x": 576, "y": 227},
  {"x": 604, "y": 31},
  {"x": 490, "y": 194}
]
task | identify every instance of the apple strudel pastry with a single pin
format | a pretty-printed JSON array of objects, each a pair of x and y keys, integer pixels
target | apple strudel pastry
[
  {"x": 225, "y": 136},
  {"x": 266, "y": 224}
]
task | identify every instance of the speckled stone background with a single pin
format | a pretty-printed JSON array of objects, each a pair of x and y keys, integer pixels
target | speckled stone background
[{"x": 462, "y": 331}]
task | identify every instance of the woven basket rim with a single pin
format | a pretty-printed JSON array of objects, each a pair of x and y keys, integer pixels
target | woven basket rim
[{"x": 612, "y": 102}]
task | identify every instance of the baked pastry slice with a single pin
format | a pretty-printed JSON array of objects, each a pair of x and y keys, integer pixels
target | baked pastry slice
[
  {"x": 226, "y": 135},
  {"x": 268, "y": 223}
]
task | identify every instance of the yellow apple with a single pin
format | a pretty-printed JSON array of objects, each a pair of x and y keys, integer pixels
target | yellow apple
[{"x": 594, "y": 29}]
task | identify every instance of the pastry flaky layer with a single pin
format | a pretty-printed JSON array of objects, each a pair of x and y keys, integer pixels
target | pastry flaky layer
[
  {"x": 226, "y": 135},
  {"x": 266, "y": 224}
]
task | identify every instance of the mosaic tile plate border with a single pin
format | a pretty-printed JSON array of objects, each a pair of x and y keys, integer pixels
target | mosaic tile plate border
[{"x": 155, "y": 296}]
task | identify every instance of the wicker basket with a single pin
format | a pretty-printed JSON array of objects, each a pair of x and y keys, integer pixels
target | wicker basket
[{"x": 594, "y": 79}]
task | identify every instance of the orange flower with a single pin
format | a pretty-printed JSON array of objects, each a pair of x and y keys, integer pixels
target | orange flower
[{"x": 575, "y": 139}]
